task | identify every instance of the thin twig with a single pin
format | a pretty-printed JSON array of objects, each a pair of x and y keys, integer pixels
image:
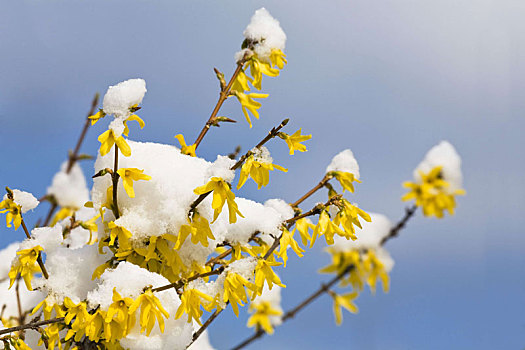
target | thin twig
[
  {"x": 317, "y": 187},
  {"x": 114, "y": 178},
  {"x": 394, "y": 231},
  {"x": 31, "y": 325},
  {"x": 222, "y": 97},
  {"x": 182, "y": 282},
  {"x": 201, "y": 330}
]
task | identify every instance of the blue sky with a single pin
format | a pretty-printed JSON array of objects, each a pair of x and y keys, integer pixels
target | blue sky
[{"x": 388, "y": 80}]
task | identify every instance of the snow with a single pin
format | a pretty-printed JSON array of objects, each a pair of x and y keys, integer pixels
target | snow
[
  {"x": 266, "y": 32},
  {"x": 24, "y": 199},
  {"x": 344, "y": 162},
  {"x": 445, "y": 155},
  {"x": 49, "y": 238},
  {"x": 119, "y": 98},
  {"x": 69, "y": 189},
  {"x": 262, "y": 155},
  {"x": 6, "y": 256}
]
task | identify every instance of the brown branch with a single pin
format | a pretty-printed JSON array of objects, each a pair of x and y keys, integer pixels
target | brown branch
[
  {"x": 114, "y": 179},
  {"x": 222, "y": 97},
  {"x": 325, "y": 287},
  {"x": 73, "y": 157},
  {"x": 31, "y": 325},
  {"x": 317, "y": 187},
  {"x": 183, "y": 281},
  {"x": 201, "y": 330},
  {"x": 39, "y": 258}
]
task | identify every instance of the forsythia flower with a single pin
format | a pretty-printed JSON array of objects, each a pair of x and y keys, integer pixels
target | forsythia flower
[
  {"x": 325, "y": 227},
  {"x": 264, "y": 272},
  {"x": 150, "y": 309},
  {"x": 375, "y": 270},
  {"x": 62, "y": 214},
  {"x": 221, "y": 194},
  {"x": 95, "y": 326},
  {"x": 235, "y": 292},
  {"x": 191, "y": 301},
  {"x": 25, "y": 265},
  {"x": 199, "y": 228},
  {"x": 121, "y": 233},
  {"x": 97, "y": 116},
  {"x": 432, "y": 194},
  {"x": 118, "y": 320},
  {"x": 258, "y": 68},
  {"x": 287, "y": 240},
  {"x": 241, "y": 82},
  {"x": 80, "y": 314},
  {"x": 14, "y": 212},
  {"x": 135, "y": 118},
  {"x": 294, "y": 141},
  {"x": 185, "y": 149},
  {"x": 303, "y": 225},
  {"x": 345, "y": 179},
  {"x": 348, "y": 216},
  {"x": 259, "y": 171},
  {"x": 129, "y": 175},
  {"x": 48, "y": 307},
  {"x": 249, "y": 104},
  {"x": 261, "y": 315},
  {"x": 107, "y": 140},
  {"x": 345, "y": 301},
  {"x": 278, "y": 58},
  {"x": 53, "y": 336}
]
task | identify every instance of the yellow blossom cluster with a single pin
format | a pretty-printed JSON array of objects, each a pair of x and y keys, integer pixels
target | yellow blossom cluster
[{"x": 433, "y": 193}]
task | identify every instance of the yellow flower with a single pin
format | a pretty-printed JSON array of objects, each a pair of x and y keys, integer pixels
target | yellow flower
[
  {"x": 25, "y": 265},
  {"x": 129, "y": 175},
  {"x": 258, "y": 68},
  {"x": 19, "y": 344},
  {"x": 303, "y": 225},
  {"x": 185, "y": 149},
  {"x": 262, "y": 311},
  {"x": 345, "y": 179},
  {"x": 191, "y": 301},
  {"x": 94, "y": 325},
  {"x": 48, "y": 308},
  {"x": 119, "y": 321},
  {"x": 95, "y": 117},
  {"x": 241, "y": 82},
  {"x": 258, "y": 170},
  {"x": 107, "y": 140},
  {"x": 325, "y": 227},
  {"x": 221, "y": 194},
  {"x": 277, "y": 57},
  {"x": 79, "y": 313},
  {"x": 121, "y": 233},
  {"x": 348, "y": 216},
  {"x": 53, "y": 336},
  {"x": 150, "y": 310},
  {"x": 264, "y": 272},
  {"x": 14, "y": 212},
  {"x": 343, "y": 301},
  {"x": 249, "y": 104},
  {"x": 135, "y": 118},
  {"x": 288, "y": 241},
  {"x": 433, "y": 193},
  {"x": 200, "y": 231},
  {"x": 235, "y": 292},
  {"x": 294, "y": 141},
  {"x": 375, "y": 270},
  {"x": 62, "y": 214}
]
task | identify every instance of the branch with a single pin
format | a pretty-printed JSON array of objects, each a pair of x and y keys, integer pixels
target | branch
[
  {"x": 225, "y": 91},
  {"x": 201, "y": 330},
  {"x": 114, "y": 179},
  {"x": 31, "y": 325},
  {"x": 320, "y": 185},
  {"x": 182, "y": 282}
]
